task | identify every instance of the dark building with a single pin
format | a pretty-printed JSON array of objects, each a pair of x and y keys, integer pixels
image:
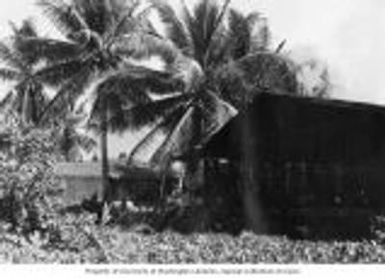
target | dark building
[{"x": 302, "y": 163}]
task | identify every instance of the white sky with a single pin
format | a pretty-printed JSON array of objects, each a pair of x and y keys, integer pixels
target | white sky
[{"x": 348, "y": 34}]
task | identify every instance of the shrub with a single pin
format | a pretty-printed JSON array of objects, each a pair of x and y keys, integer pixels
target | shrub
[{"x": 26, "y": 179}]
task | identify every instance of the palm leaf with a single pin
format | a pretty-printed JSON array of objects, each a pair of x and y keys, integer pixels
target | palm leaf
[
  {"x": 157, "y": 135},
  {"x": 125, "y": 21},
  {"x": 9, "y": 75},
  {"x": 128, "y": 88},
  {"x": 239, "y": 34},
  {"x": 67, "y": 94},
  {"x": 134, "y": 81},
  {"x": 64, "y": 16},
  {"x": 8, "y": 101},
  {"x": 204, "y": 25},
  {"x": 176, "y": 30},
  {"x": 27, "y": 29},
  {"x": 53, "y": 51},
  {"x": 140, "y": 45},
  {"x": 215, "y": 30},
  {"x": 178, "y": 141},
  {"x": 56, "y": 74},
  {"x": 101, "y": 15},
  {"x": 11, "y": 58},
  {"x": 145, "y": 114},
  {"x": 216, "y": 113}
]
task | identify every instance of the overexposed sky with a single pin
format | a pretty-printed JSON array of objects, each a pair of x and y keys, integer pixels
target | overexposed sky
[{"x": 348, "y": 34}]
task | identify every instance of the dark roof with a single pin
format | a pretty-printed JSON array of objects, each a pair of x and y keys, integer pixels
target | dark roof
[{"x": 330, "y": 102}]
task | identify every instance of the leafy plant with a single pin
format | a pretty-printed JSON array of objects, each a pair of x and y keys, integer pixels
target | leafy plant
[{"x": 27, "y": 180}]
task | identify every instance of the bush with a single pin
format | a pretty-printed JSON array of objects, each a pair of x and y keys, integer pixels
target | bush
[{"x": 27, "y": 180}]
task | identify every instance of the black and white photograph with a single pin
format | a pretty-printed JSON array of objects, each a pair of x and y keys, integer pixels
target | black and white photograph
[{"x": 192, "y": 132}]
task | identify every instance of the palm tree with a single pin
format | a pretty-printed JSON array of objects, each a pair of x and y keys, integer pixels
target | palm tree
[
  {"x": 229, "y": 61},
  {"x": 208, "y": 46},
  {"x": 99, "y": 40},
  {"x": 185, "y": 121},
  {"x": 27, "y": 97},
  {"x": 230, "y": 48}
]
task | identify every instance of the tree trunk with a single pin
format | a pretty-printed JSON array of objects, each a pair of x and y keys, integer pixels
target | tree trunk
[
  {"x": 25, "y": 107},
  {"x": 104, "y": 154}
]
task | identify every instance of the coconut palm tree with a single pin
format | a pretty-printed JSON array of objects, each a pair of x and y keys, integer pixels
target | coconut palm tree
[
  {"x": 224, "y": 43},
  {"x": 228, "y": 61},
  {"x": 99, "y": 40},
  {"x": 27, "y": 96},
  {"x": 183, "y": 122},
  {"x": 209, "y": 46}
]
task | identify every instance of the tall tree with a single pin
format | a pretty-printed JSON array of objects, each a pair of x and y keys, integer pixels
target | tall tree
[
  {"x": 185, "y": 121},
  {"x": 27, "y": 96},
  {"x": 231, "y": 61},
  {"x": 98, "y": 37},
  {"x": 210, "y": 44}
]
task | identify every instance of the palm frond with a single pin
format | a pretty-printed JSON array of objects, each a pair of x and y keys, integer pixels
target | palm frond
[
  {"x": 145, "y": 114},
  {"x": 56, "y": 74},
  {"x": 53, "y": 51},
  {"x": 27, "y": 29},
  {"x": 65, "y": 17},
  {"x": 9, "y": 74},
  {"x": 134, "y": 81},
  {"x": 100, "y": 15},
  {"x": 37, "y": 101},
  {"x": 7, "y": 101},
  {"x": 216, "y": 113},
  {"x": 176, "y": 29},
  {"x": 127, "y": 98},
  {"x": 140, "y": 45},
  {"x": 116, "y": 120},
  {"x": 178, "y": 141},
  {"x": 189, "y": 71},
  {"x": 67, "y": 95},
  {"x": 158, "y": 133},
  {"x": 123, "y": 23},
  {"x": 204, "y": 25},
  {"x": 239, "y": 34},
  {"x": 11, "y": 57}
]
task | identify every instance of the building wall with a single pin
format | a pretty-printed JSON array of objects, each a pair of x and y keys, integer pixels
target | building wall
[
  {"x": 76, "y": 189},
  {"x": 301, "y": 154}
]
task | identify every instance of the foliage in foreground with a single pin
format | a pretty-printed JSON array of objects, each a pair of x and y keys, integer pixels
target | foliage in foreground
[
  {"x": 26, "y": 179},
  {"x": 87, "y": 243}
]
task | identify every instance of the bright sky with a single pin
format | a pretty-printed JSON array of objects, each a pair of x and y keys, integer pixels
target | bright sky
[{"x": 349, "y": 35}]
